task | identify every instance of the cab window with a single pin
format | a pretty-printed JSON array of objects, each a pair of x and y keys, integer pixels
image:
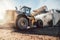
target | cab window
[{"x": 27, "y": 10}]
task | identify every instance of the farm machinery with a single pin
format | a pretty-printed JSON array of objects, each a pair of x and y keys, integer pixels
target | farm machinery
[
  {"x": 38, "y": 18},
  {"x": 26, "y": 19}
]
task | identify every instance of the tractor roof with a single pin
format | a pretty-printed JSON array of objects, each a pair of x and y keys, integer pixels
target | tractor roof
[{"x": 26, "y": 7}]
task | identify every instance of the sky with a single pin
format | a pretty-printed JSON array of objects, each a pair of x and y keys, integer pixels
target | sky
[{"x": 34, "y": 4}]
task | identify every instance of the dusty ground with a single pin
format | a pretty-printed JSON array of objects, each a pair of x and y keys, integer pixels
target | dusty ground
[{"x": 7, "y": 33}]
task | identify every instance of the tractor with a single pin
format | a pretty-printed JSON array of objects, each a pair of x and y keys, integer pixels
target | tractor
[
  {"x": 22, "y": 21},
  {"x": 25, "y": 18}
]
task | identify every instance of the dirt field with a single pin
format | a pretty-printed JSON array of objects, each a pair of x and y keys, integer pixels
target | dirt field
[{"x": 6, "y": 33}]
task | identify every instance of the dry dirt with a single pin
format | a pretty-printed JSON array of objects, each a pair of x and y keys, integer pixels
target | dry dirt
[{"x": 9, "y": 34}]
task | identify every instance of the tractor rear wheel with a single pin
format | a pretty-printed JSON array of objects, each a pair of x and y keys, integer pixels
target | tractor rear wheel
[{"x": 22, "y": 23}]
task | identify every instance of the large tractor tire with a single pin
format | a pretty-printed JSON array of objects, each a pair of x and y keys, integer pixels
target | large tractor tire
[
  {"x": 39, "y": 23},
  {"x": 22, "y": 23},
  {"x": 50, "y": 23}
]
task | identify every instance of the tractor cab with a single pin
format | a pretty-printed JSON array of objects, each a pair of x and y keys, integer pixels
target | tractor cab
[{"x": 25, "y": 10}]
